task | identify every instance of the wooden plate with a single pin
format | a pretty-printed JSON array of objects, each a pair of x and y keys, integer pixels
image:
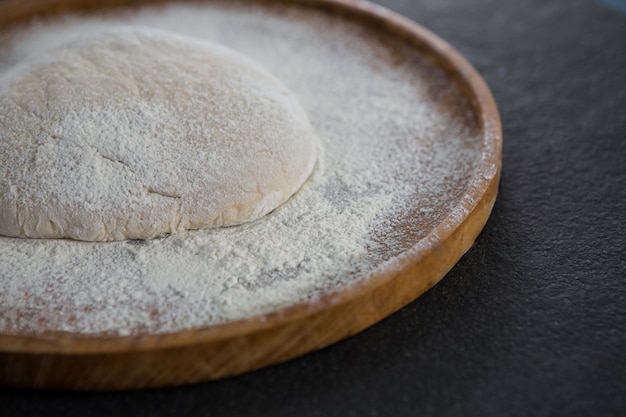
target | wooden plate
[{"x": 155, "y": 360}]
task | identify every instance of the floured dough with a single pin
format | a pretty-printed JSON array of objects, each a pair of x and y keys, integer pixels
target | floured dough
[{"x": 132, "y": 133}]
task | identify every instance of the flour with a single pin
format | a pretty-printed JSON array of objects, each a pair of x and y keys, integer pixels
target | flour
[{"x": 394, "y": 163}]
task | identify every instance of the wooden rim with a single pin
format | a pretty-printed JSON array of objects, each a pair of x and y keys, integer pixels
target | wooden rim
[{"x": 239, "y": 346}]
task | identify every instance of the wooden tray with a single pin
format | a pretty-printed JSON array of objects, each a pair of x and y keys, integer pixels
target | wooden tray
[{"x": 131, "y": 362}]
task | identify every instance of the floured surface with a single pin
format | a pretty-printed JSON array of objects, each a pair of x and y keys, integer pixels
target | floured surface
[{"x": 399, "y": 144}]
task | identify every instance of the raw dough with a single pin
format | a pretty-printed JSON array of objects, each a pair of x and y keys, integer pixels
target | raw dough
[{"x": 132, "y": 133}]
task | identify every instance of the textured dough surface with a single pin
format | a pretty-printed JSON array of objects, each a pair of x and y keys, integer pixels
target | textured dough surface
[{"x": 137, "y": 132}]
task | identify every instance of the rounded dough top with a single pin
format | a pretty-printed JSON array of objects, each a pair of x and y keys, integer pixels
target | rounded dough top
[{"x": 133, "y": 133}]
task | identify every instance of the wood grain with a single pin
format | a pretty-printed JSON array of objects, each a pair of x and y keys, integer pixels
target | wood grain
[{"x": 132, "y": 362}]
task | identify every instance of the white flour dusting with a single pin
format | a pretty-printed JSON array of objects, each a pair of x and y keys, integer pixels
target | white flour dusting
[{"x": 395, "y": 161}]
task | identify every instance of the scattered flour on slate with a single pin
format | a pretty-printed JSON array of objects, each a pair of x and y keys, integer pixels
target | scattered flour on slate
[{"x": 392, "y": 161}]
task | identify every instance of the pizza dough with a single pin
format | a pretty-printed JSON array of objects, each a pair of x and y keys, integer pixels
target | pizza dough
[{"x": 132, "y": 133}]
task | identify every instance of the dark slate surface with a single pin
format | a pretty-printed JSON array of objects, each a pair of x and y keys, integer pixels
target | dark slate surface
[{"x": 532, "y": 321}]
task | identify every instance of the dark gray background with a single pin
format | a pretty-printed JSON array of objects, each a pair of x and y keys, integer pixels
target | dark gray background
[{"x": 532, "y": 321}]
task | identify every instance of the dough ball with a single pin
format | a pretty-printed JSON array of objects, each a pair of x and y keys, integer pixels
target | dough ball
[{"x": 132, "y": 133}]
